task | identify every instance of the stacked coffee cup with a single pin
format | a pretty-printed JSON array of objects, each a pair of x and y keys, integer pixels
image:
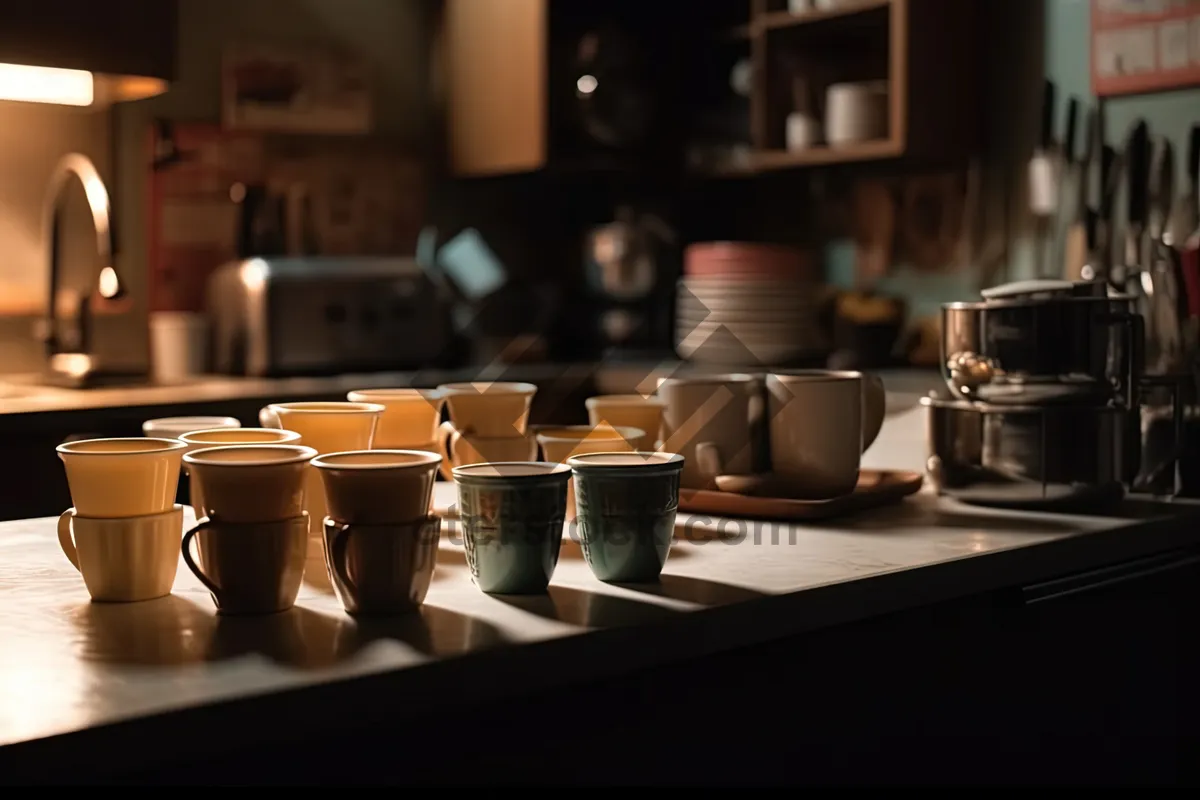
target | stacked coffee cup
[
  {"x": 124, "y": 528},
  {"x": 489, "y": 422},
  {"x": 380, "y": 540},
  {"x": 251, "y": 539}
]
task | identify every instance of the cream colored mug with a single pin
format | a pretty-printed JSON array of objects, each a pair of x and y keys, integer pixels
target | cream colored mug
[
  {"x": 716, "y": 423},
  {"x": 126, "y": 559},
  {"x": 821, "y": 422}
]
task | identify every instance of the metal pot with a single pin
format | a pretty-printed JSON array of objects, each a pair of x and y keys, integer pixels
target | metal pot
[
  {"x": 1033, "y": 457},
  {"x": 1043, "y": 346}
]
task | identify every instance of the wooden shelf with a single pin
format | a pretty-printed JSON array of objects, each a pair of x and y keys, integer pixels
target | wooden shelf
[
  {"x": 829, "y": 154},
  {"x": 786, "y": 19}
]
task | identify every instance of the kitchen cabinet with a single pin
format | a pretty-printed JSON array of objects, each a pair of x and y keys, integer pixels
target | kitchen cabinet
[
  {"x": 527, "y": 83},
  {"x": 926, "y": 52},
  {"x": 575, "y": 85},
  {"x": 130, "y": 44},
  {"x": 1020, "y": 686}
]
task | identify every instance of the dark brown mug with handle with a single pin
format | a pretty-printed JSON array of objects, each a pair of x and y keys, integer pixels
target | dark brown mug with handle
[
  {"x": 382, "y": 569},
  {"x": 250, "y": 568}
]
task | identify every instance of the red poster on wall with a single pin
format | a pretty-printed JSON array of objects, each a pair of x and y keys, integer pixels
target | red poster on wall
[{"x": 1144, "y": 45}]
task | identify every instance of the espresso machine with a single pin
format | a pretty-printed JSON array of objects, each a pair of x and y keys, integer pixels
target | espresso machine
[
  {"x": 630, "y": 280},
  {"x": 1045, "y": 388}
]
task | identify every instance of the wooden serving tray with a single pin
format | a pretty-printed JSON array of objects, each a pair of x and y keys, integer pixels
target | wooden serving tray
[{"x": 875, "y": 488}]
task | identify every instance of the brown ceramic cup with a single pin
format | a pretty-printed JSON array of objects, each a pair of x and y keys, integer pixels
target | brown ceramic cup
[
  {"x": 222, "y": 437},
  {"x": 250, "y": 568},
  {"x": 378, "y": 487},
  {"x": 246, "y": 484},
  {"x": 382, "y": 569}
]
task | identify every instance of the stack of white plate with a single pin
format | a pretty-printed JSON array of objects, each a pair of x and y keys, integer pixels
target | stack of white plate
[{"x": 738, "y": 321}]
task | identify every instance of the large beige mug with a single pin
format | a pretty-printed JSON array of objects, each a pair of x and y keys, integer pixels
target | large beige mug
[
  {"x": 213, "y": 437},
  {"x": 410, "y": 417},
  {"x": 329, "y": 427},
  {"x": 119, "y": 478},
  {"x": 821, "y": 422},
  {"x": 716, "y": 423},
  {"x": 561, "y": 442},
  {"x": 250, "y": 483},
  {"x": 123, "y": 560},
  {"x": 489, "y": 409},
  {"x": 629, "y": 411},
  {"x": 459, "y": 449}
]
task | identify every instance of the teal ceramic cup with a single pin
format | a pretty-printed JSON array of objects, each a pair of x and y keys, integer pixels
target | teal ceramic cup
[
  {"x": 625, "y": 505},
  {"x": 511, "y": 515}
]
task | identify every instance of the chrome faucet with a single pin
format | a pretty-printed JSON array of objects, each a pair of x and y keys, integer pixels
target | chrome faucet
[{"x": 73, "y": 362}]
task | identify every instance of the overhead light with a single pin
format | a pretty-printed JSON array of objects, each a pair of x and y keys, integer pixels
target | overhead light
[
  {"x": 64, "y": 87},
  {"x": 73, "y": 87}
]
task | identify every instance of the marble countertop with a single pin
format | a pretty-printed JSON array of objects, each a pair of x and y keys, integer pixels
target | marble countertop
[{"x": 71, "y": 669}]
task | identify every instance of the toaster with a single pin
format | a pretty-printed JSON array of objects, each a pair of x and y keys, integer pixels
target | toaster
[{"x": 320, "y": 316}]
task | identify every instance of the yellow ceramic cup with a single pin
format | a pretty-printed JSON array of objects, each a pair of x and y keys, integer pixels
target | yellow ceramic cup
[
  {"x": 459, "y": 449},
  {"x": 490, "y": 409},
  {"x": 215, "y": 437},
  {"x": 329, "y": 427},
  {"x": 410, "y": 416},
  {"x": 123, "y": 560},
  {"x": 117, "y": 478},
  {"x": 629, "y": 411},
  {"x": 562, "y": 442}
]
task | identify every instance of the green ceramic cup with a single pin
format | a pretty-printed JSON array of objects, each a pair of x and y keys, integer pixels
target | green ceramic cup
[
  {"x": 625, "y": 505},
  {"x": 512, "y": 522}
]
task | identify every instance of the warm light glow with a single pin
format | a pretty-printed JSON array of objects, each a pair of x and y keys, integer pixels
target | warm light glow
[
  {"x": 67, "y": 87},
  {"x": 254, "y": 274},
  {"x": 587, "y": 84},
  {"x": 75, "y": 365},
  {"x": 110, "y": 285}
]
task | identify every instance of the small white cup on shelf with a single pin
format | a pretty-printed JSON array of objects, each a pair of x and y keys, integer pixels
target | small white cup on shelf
[
  {"x": 856, "y": 112},
  {"x": 802, "y": 131}
]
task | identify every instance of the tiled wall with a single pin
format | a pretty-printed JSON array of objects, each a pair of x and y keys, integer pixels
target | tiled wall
[{"x": 389, "y": 34}]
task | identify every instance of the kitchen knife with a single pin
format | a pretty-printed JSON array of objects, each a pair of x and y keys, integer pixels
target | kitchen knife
[
  {"x": 1043, "y": 183},
  {"x": 1136, "y": 161},
  {"x": 1079, "y": 237}
]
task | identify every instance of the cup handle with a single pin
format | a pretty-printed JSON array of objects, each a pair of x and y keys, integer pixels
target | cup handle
[
  {"x": 708, "y": 459},
  {"x": 65, "y": 540},
  {"x": 337, "y": 553},
  {"x": 185, "y": 549},
  {"x": 874, "y": 409},
  {"x": 446, "y": 433},
  {"x": 268, "y": 418}
]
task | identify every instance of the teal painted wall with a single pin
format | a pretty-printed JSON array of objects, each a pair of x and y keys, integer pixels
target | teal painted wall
[
  {"x": 1065, "y": 58},
  {"x": 1067, "y": 53}
]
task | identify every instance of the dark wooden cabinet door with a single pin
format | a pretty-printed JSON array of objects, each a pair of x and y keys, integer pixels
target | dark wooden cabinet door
[
  {"x": 1112, "y": 653},
  {"x": 120, "y": 37}
]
